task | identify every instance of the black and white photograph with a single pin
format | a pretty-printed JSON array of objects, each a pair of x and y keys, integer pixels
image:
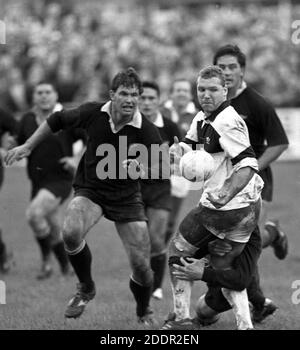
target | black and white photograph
[{"x": 149, "y": 168}]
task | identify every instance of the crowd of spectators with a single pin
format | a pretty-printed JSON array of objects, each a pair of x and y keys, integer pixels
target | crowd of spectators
[{"x": 79, "y": 46}]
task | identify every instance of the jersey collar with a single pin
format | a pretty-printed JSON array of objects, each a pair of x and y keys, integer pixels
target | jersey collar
[
  {"x": 240, "y": 89},
  {"x": 213, "y": 115},
  {"x": 159, "y": 122},
  {"x": 136, "y": 121}
]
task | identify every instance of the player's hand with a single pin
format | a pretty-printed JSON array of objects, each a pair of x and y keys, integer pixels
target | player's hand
[
  {"x": 16, "y": 154},
  {"x": 219, "y": 247},
  {"x": 69, "y": 164},
  {"x": 134, "y": 168},
  {"x": 175, "y": 151},
  {"x": 217, "y": 199},
  {"x": 191, "y": 270}
]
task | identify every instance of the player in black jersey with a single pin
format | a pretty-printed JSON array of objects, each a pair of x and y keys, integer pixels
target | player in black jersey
[
  {"x": 7, "y": 125},
  {"x": 50, "y": 169},
  {"x": 103, "y": 187},
  {"x": 268, "y": 140},
  {"x": 157, "y": 193}
]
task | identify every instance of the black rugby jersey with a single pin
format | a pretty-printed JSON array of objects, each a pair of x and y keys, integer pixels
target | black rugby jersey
[
  {"x": 264, "y": 126},
  {"x": 167, "y": 130},
  {"x": 43, "y": 164},
  {"x": 95, "y": 119}
]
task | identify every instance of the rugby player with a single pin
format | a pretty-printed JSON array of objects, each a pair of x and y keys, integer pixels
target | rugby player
[
  {"x": 230, "y": 203},
  {"x": 268, "y": 140},
  {"x": 236, "y": 278},
  {"x": 101, "y": 192},
  {"x": 157, "y": 193},
  {"x": 50, "y": 170}
]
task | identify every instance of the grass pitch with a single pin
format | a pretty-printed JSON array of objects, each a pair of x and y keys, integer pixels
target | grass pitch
[{"x": 31, "y": 304}]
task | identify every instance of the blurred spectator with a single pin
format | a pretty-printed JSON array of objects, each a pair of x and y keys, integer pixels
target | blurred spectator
[{"x": 74, "y": 44}]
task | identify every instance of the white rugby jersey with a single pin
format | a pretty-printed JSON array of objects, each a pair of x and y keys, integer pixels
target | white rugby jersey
[{"x": 224, "y": 135}]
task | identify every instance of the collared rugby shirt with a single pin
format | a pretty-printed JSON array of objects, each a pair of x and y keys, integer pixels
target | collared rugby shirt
[
  {"x": 43, "y": 165},
  {"x": 96, "y": 120},
  {"x": 224, "y": 135}
]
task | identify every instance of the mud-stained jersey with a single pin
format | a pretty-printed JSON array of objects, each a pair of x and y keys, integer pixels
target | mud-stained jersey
[{"x": 224, "y": 135}]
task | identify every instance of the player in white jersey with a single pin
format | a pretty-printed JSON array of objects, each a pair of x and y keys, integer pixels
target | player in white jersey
[{"x": 230, "y": 203}]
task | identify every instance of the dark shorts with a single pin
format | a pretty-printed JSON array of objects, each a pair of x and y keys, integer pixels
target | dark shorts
[
  {"x": 122, "y": 209},
  {"x": 157, "y": 195},
  {"x": 60, "y": 189},
  {"x": 215, "y": 299},
  {"x": 267, "y": 191},
  {"x": 202, "y": 224}
]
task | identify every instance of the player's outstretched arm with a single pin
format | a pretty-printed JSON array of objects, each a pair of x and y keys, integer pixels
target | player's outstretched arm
[{"x": 24, "y": 150}]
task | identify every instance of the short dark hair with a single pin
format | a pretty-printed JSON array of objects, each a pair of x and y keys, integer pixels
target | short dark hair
[
  {"x": 212, "y": 71},
  {"x": 230, "y": 50},
  {"x": 45, "y": 82},
  {"x": 151, "y": 85},
  {"x": 127, "y": 78}
]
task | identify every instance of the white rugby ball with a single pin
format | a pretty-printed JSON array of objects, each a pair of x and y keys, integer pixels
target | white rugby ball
[{"x": 197, "y": 166}]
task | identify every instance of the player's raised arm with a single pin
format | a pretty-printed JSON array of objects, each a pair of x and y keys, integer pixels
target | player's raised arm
[{"x": 24, "y": 150}]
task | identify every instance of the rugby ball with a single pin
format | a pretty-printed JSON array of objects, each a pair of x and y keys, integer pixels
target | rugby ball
[{"x": 197, "y": 166}]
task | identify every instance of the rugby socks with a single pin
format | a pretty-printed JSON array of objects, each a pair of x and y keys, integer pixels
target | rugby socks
[
  {"x": 181, "y": 298},
  {"x": 255, "y": 294},
  {"x": 81, "y": 260},
  {"x": 181, "y": 291},
  {"x": 141, "y": 295},
  {"x": 45, "y": 246},
  {"x": 240, "y": 307},
  {"x": 158, "y": 265},
  {"x": 61, "y": 256}
]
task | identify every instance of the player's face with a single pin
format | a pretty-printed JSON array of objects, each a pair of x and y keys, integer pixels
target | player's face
[
  {"x": 181, "y": 93},
  {"x": 210, "y": 94},
  {"x": 149, "y": 102},
  {"x": 45, "y": 97},
  {"x": 125, "y": 100},
  {"x": 233, "y": 72}
]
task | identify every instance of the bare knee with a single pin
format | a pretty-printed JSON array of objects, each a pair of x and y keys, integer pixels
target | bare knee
[
  {"x": 72, "y": 232},
  {"x": 37, "y": 221}
]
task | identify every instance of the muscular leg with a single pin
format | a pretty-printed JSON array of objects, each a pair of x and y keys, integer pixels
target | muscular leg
[
  {"x": 135, "y": 238},
  {"x": 81, "y": 215},
  {"x": 237, "y": 299},
  {"x": 157, "y": 224}
]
